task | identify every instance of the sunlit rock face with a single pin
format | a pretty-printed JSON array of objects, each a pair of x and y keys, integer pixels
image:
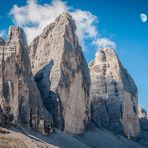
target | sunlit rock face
[
  {"x": 62, "y": 74},
  {"x": 20, "y": 101},
  {"x": 113, "y": 95}
]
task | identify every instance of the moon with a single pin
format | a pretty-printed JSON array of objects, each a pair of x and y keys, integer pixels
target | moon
[{"x": 143, "y": 17}]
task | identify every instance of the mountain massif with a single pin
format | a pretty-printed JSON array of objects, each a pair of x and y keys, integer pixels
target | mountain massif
[{"x": 49, "y": 94}]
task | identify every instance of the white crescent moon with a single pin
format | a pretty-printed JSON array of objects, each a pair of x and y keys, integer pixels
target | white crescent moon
[{"x": 143, "y": 17}]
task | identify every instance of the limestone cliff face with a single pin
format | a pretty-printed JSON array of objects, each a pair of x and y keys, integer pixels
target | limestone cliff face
[
  {"x": 20, "y": 100},
  {"x": 62, "y": 74},
  {"x": 113, "y": 95}
]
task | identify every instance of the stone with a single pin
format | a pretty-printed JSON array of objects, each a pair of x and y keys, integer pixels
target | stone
[
  {"x": 114, "y": 95},
  {"x": 142, "y": 112},
  {"x": 143, "y": 118},
  {"x": 62, "y": 74},
  {"x": 2, "y": 42},
  {"x": 20, "y": 100}
]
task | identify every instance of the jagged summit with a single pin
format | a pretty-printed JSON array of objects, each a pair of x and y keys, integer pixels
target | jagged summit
[
  {"x": 17, "y": 34},
  {"x": 66, "y": 18},
  {"x": 104, "y": 53},
  {"x": 63, "y": 20},
  {"x": 114, "y": 94},
  {"x": 106, "y": 49},
  {"x": 110, "y": 57},
  {"x": 58, "y": 27}
]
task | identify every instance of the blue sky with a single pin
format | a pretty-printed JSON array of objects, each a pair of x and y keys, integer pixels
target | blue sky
[{"x": 116, "y": 20}]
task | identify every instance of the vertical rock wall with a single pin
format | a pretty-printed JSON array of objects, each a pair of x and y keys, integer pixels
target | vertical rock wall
[
  {"x": 20, "y": 100},
  {"x": 62, "y": 74},
  {"x": 113, "y": 94}
]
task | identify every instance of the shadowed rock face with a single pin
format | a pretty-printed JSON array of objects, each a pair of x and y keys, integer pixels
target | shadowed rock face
[
  {"x": 20, "y": 100},
  {"x": 62, "y": 74},
  {"x": 2, "y": 42},
  {"x": 113, "y": 95},
  {"x": 142, "y": 112}
]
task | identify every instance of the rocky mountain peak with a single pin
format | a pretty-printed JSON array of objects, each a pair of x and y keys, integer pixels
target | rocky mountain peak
[
  {"x": 62, "y": 74},
  {"x": 20, "y": 101},
  {"x": 65, "y": 19},
  {"x": 104, "y": 54},
  {"x": 114, "y": 94},
  {"x": 105, "y": 51},
  {"x": 15, "y": 32}
]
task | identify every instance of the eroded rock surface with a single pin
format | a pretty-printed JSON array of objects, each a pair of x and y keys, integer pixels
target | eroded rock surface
[
  {"x": 20, "y": 100},
  {"x": 62, "y": 74},
  {"x": 114, "y": 95}
]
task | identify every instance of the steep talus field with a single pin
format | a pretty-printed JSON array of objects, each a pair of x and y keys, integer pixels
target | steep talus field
[{"x": 92, "y": 138}]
